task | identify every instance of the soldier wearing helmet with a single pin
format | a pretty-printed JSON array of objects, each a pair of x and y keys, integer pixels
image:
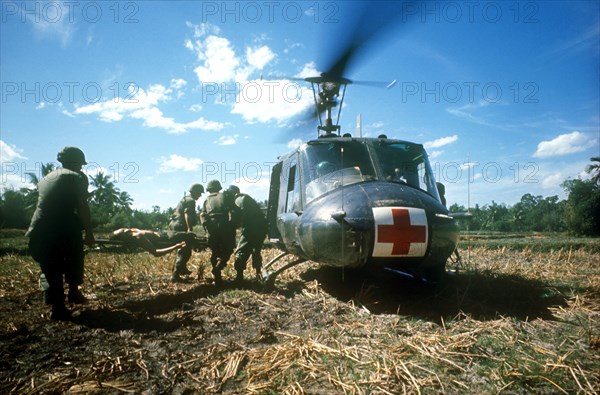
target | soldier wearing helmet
[
  {"x": 253, "y": 226},
  {"x": 218, "y": 216},
  {"x": 55, "y": 239},
  {"x": 181, "y": 229}
]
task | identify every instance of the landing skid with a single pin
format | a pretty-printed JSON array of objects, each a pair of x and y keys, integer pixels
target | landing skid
[{"x": 269, "y": 277}]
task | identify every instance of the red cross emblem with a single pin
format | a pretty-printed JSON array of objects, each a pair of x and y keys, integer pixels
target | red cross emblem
[{"x": 400, "y": 231}]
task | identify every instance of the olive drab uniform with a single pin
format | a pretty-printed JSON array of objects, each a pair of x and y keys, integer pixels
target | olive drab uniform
[
  {"x": 55, "y": 232},
  {"x": 218, "y": 217},
  {"x": 253, "y": 225},
  {"x": 179, "y": 232}
]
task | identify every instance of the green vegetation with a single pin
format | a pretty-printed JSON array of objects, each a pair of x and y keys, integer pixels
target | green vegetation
[
  {"x": 579, "y": 214},
  {"x": 111, "y": 209},
  {"x": 532, "y": 241}
]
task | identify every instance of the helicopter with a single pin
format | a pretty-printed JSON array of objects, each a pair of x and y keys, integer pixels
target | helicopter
[{"x": 354, "y": 202}]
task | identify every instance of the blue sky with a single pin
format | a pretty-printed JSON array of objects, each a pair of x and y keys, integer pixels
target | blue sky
[{"x": 161, "y": 94}]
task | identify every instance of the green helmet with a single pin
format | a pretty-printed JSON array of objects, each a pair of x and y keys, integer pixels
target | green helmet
[
  {"x": 213, "y": 186},
  {"x": 197, "y": 188},
  {"x": 233, "y": 189},
  {"x": 71, "y": 155}
]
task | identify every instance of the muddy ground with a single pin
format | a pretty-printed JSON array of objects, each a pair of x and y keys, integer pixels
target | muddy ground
[{"x": 319, "y": 331}]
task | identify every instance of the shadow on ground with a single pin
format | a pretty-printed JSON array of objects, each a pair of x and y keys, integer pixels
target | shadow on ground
[{"x": 483, "y": 296}]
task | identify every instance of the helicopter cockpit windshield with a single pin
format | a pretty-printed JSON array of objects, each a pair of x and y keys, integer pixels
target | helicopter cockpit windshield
[
  {"x": 406, "y": 163},
  {"x": 330, "y": 165}
]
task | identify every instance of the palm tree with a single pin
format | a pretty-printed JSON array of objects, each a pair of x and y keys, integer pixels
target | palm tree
[
  {"x": 105, "y": 194},
  {"x": 124, "y": 201},
  {"x": 594, "y": 169},
  {"x": 46, "y": 169},
  {"x": 32, "y": 194}
]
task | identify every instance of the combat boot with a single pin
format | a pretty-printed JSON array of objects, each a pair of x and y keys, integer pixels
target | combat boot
[
  {"x": 75, "y": 296},
  {"x": 60, "y": 313},
  {"x": 239, "y": 278},
  {"x": 175, "y": 278}
]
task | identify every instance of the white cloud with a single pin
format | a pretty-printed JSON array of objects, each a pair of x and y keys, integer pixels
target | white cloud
[
  {"x": 435, "y": 154},
  {"x": 178, "y": 83},
  {"x": 203, "y": 29},
  {"x": 553, "y": 180},
  {"x": 220, "y": 63},
  {"x": 177, "y": 162},
  {"x": 259, "y": 57},
  {"x": 440, "y": 142},
  {"x": 9, "y": 153},
  {"x": 196, "y": 107},
  {"x": 565, "y": 144},
  {"x": 56, "y": 23},
  {"x": 143, "y": 104},
  {"x": 64, "y": 111},
  {"x": 309, "y": 70},
  {"x": 227, "y": 140},
  {"x": 294, "y": 143},
  {"x": 256, "y": 100},
  {"x": 272, "y": 101}
]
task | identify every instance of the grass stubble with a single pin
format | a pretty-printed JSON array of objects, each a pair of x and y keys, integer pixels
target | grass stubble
[{"x": 505, "y": 321}]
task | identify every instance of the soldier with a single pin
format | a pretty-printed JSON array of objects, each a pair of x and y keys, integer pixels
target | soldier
[
  {"x": 253, "y": 225},
  {"x": 181, "y": 229},
  {"x": 217, "y": 217},
  {"x": 55, "y": 239}
]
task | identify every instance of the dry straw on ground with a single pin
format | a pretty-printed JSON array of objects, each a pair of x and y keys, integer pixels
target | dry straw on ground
[{"x": 507, "y": 322}]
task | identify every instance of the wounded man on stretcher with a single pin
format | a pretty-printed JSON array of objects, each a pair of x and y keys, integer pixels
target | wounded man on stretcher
[{"x": 151, "y": 241}]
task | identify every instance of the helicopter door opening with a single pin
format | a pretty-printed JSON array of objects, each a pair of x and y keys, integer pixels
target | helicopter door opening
[
  {"x": 274, "y": 202},
  {"x": 290, "y": 204},
  {"x": 293, "y": 204}
]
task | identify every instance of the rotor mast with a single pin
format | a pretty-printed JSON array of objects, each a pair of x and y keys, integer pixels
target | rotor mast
[{"x": 326, "y": 92}]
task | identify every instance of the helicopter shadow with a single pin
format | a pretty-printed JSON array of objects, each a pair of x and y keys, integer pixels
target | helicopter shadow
[{"x": 482, "y": 296}]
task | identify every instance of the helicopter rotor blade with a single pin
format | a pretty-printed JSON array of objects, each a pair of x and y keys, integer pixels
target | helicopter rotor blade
[
  {"x": 377, "y": 84},
  {"x": 373, "y": 18}
]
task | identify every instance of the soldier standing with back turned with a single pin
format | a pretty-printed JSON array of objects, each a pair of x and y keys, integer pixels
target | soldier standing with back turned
[
  {"x": 217, "y": 216},
  {"x": 55, "y": 239},
  {"x": 182, "y": 229},
  {"x": 253, "y": 226}
]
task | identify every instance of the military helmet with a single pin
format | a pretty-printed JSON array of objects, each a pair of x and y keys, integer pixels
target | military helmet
[
  {"x": 71, "y": 155},
  {"x": 233, "y": 189},
  {"x": 213, "y": 186},
  {"x": 197, "y": 188}
]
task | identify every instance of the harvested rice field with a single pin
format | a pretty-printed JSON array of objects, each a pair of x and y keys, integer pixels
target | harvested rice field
[{"x": 504, "y": 321}]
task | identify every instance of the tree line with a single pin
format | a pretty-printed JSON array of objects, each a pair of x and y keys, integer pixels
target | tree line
[{"x": 111, "y": 208}]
